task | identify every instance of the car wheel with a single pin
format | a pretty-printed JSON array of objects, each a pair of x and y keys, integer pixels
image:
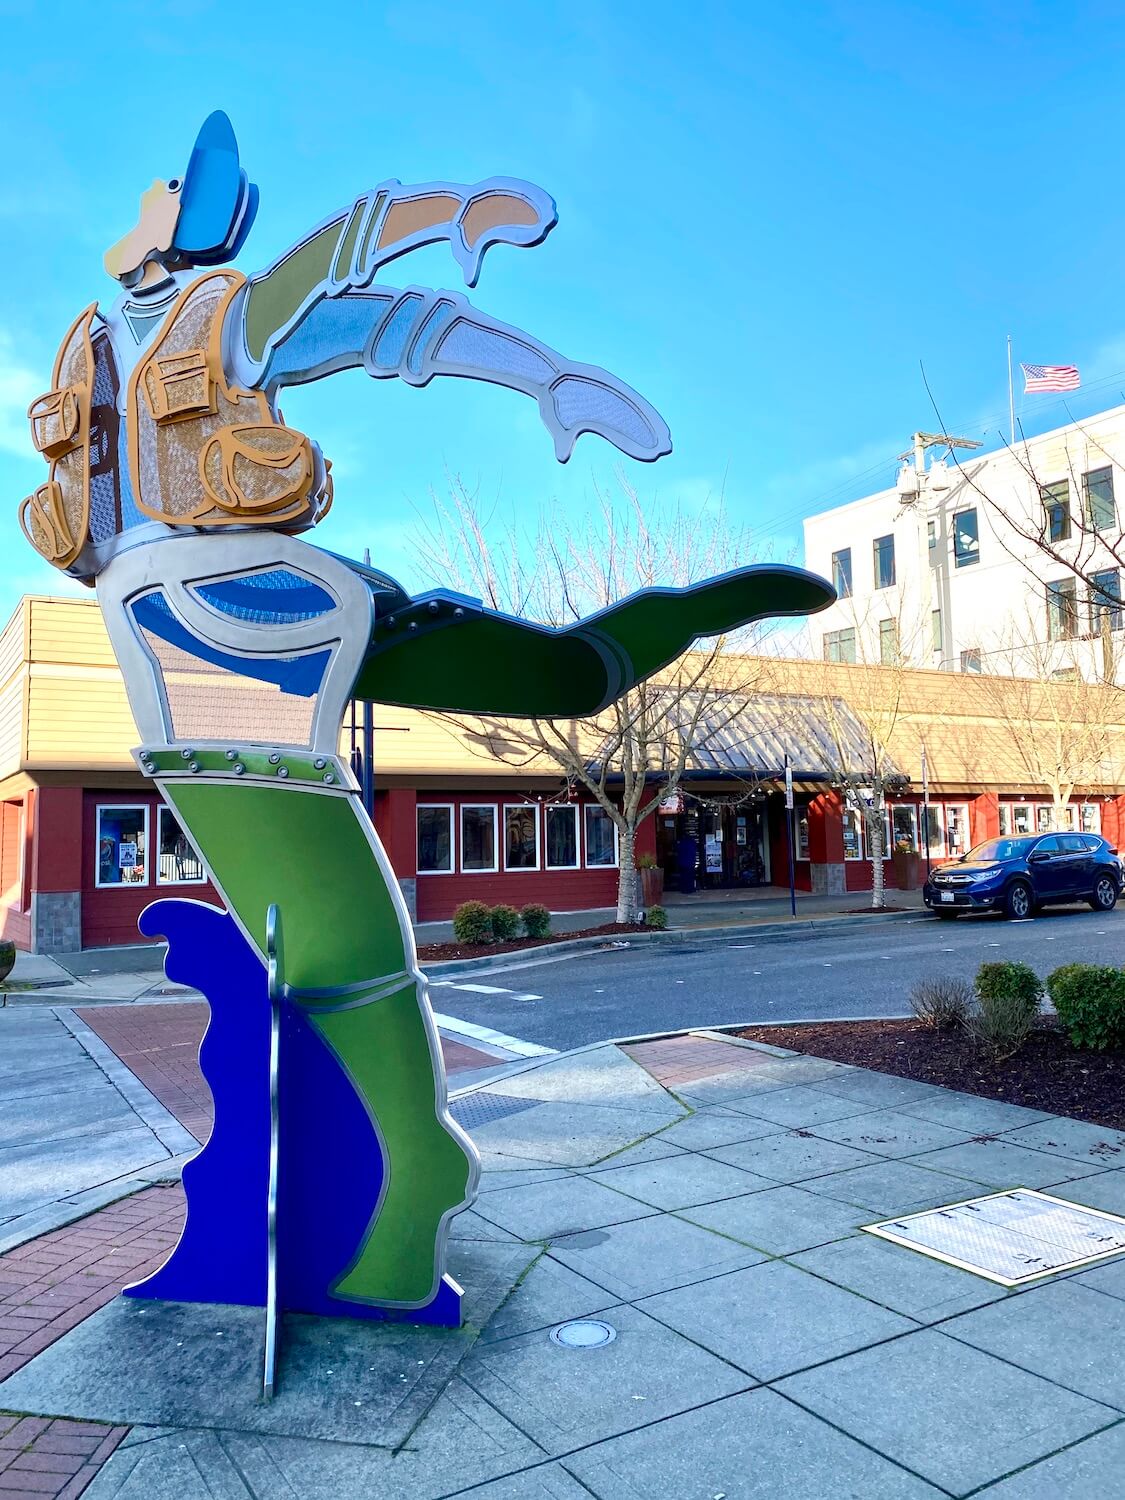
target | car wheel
[
  {"x": 1018, "y": 902},
  {"x": 946, "y": 916},
  {"x": 1105, "y": 894}
]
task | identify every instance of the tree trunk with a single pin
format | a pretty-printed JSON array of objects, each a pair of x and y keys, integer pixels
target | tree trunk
[
  {"x": 878, "y": 898},
  {"x": 626, "y": 875}
]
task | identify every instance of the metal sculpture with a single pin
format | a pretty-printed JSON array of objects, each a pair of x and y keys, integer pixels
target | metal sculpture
[{"x": 177, "y": 488}]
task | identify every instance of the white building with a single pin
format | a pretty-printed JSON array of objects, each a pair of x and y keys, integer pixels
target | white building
[{"x": 944, "y": 570}]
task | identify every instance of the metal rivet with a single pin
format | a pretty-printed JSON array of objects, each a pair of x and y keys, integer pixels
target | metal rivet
[
  {"x": 433, "y": 606},
  {"x": 320, "y": 763},
  {"x": 283, "y": 770},
  {"x": 187, "y": 754},
  {"x": 328, "y": 778},
  {"x": 231, "y": 754},
  {"x": 239, "y": 768},
  {"x": 193, "y": 766},
  {"x": 275, "y": 758},
  {"x": 391, "y": 622},
  {"x": 458, "y": 613},
  {"x": 413, "y": 625}
]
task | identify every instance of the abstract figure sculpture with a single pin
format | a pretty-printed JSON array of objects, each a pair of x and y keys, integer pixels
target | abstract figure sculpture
[{"x": 177, "y": 488}]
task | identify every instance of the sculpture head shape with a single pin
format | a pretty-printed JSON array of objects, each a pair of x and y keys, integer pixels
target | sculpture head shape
[{"x": 199, "y": 219}]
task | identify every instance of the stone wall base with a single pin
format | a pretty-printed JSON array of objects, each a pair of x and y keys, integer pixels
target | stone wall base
[
  {"x": 827, "y": 879},
  {"x": 56, "y": 921}
]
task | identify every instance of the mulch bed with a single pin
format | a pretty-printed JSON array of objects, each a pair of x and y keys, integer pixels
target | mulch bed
[
  {"x": 435, "y": 952},
  {"x": 1048, "y": 1073}
]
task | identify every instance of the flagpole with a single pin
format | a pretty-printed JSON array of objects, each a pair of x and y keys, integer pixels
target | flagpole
[{"x": 1011, "y": 398}]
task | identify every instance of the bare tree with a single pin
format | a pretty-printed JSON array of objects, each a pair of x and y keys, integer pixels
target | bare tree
[
  {"x": 862, "y": 706},
  {"x": 632, "y": 755},
  {"x": 1059, "y": 724}
]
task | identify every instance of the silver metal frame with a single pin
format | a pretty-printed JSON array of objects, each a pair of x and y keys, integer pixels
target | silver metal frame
[{"x": 275, "y": 970}]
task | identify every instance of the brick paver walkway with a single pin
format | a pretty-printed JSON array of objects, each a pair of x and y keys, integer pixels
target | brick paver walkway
[
  {"x": 681, "y": 1059},
  {"x": 52, "y": 1459},
  {"x": 160, "y": 1044}
]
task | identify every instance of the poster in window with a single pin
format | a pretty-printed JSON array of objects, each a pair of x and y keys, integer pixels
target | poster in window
[
  {"x": 127, "y": 856},
  {"x": 107, "y": 860}
]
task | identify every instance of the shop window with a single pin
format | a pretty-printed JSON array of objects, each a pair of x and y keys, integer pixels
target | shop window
[
  {"x": 853, "y": 848},
  {"x": 802, "y": 816},
  {"x": 904, "y": 829},
  {"x": 478, "y": 839},
  {"x": 883, "y": 550},
  {"x": 11, "y": 853},
  {"x": 1056, "y": 511},
  {"x": 970, "y": 659},
  {"x": 601, "y": 837},
  {"x": 842, "y": 572},
  {"x": 1005, "y": 820},
  {"x": 562, "y": 838},
  {"x": 1046, "y": 820},
  {"x": 839, "y": 645},
  {"x": 521, "y": 838},
  {"x": 957, "y": 827},
  {"x": 1044, "y": 815},
  {"x": 934, "y": 826},
  {"x": 1097, "y": 493},
  {"x": 966, "y": 539},
  {"x": 1021, "y": 818},
  {"x": 122, "y": 846},
  {"x": 1090, "y": 817},
  {"x": 435, "y": 839},
  {"x": 177, "y": 862}
]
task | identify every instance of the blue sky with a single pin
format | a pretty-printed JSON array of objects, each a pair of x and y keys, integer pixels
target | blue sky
[{"x": 767, "y": 216}]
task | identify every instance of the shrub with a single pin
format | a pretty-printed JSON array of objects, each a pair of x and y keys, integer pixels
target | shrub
[
  {"x": 942, "y": 1004},
  {"x": 472, "y": 923},
  {"x": 656, "y": 918},
  {"x": 505, "y": 923},
  {"x": 646, "y": 861},
  {"x": 7, "y": 958},
  {"x": 1008, "y": 997},
  {"x": 536, "y": 920},
  {"x": 1090, "y": 1001}
]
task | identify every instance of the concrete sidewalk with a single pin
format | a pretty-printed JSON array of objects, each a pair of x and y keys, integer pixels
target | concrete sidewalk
[{"x": 703, "y": 1198}]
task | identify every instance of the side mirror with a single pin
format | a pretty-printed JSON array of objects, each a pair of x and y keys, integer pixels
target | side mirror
[{"x": 1038, "y": 857}]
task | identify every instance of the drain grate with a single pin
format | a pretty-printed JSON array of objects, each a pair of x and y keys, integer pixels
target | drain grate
[
  {"x": 1011, "y": 1237},
  {"x": 479, "y": 1108}
]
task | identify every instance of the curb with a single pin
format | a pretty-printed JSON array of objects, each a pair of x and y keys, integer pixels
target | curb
[{"x": 521, "y": 957}]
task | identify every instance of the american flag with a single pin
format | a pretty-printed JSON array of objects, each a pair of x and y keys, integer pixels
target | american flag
[{"x": 1049, "y": 378}]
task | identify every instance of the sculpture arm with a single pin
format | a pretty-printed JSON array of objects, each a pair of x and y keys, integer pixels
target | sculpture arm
[
  {"x": 345, "y": 252},
  {"x": 449, "y": 653}
]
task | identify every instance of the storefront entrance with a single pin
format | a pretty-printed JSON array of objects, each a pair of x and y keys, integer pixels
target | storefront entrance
[{"x": 714, "y": 845}]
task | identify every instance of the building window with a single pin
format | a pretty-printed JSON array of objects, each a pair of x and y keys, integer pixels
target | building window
[
  {"x": 12, "y": 853},
  {"x": 1005, "y": 820},
  {"x": 931, "y": 537},
  {"x": 478, "y": 839},
  {"x": 842, "y": 572},
  {"x": 1021, "y": 817},
  {"x": 562, "y": 838},
  {"x": 435, "y": 839},
  {"x": 853, "y": 848},
  {"x": 1090, "y": 817},
  {"x": 601, "y": 837},
  {"x": 934, "y": 828},
  {"x": 966, "y": 539},
  {"x": 904, "y": 829},
  {"x": 839, "y": 645},
  {"x": 935, "y": 629},
  {"x": 1056, "y": 509},
  {"x": 177, "y": 862},
  {"x": 122, "y": 846},
  {"x": 884, "y": 555},
  {"x": 970, "y": 659},
  {"x": 1097, "y": 491},
  {"x": 1062, "y": 610},
  {"x": 957, "y": 827},
  {"x": 1105, "y": 596},
  {"x": 888, "y": 642},
  {"x": 521, "y": 838}
]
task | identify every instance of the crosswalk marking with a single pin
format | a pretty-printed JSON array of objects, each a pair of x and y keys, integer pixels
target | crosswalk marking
[{"x": 481, "y": 989}]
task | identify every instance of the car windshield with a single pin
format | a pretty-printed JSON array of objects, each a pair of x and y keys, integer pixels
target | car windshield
[{"x": 999, "y": 849}]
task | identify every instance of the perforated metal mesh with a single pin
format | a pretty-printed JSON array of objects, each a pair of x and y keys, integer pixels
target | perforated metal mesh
[{"x": 466, "y": 344}]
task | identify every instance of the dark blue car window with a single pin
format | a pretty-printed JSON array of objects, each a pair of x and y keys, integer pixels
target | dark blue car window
[{"x": 1052, "y": 845}]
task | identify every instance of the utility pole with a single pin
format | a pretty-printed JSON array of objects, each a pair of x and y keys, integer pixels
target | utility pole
[{"x": 916, "y": 485}]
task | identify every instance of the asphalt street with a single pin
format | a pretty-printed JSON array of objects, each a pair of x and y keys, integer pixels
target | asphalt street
[{"x": 843, "y": 970}]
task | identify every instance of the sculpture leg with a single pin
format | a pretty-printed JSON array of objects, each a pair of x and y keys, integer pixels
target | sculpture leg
[{"x": 313, "y": 851}]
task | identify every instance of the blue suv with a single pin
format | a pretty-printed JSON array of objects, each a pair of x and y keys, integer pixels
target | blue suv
[{"x": 1017, "y": 875}]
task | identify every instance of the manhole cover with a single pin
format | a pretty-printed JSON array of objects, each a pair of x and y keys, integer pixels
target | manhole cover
[
  {"x": 1009, "y": 1237},
  {"x": 585, "y": 1333}
]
